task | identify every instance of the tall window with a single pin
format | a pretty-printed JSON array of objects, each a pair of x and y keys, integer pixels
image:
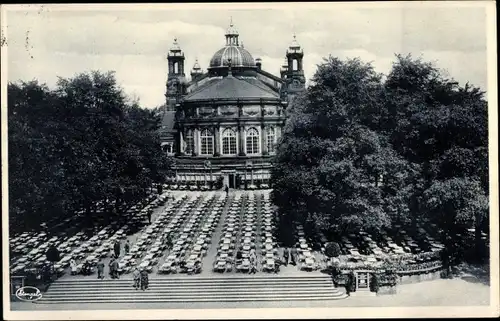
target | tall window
[
  {"x": 271, "y": 146},
  {"x": 189, "y": 142},
  {"x": 252, "y": 141},
  {"x": 228, "y": 142},
  {"x": 207, "y": 142},
  {"x": 295, "y": 65}
]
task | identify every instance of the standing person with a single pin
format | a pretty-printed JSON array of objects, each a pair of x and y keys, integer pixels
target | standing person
[
  {"x": 115, "y": 269},
  {"x": 227, "y": 190},
  {"x": 112, "y": 266},
  {"x": 74, "y": 269},
  {"x": 137, "y": 278},
  {"x": 286, "y": 255},
  {"x": 149, "y": 216},
  {"x": 127, "y": 247},
  {"x": 100, "y": 269},
  {"x": 253, "y": 262},
  {"x": 117, "y": 249},
  {"x": 144, "y": 279},
  {"x": 293, "y": 256}
]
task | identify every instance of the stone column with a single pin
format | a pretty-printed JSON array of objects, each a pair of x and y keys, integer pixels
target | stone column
[
  {"x": 241, "y": 137},
  {"x": 196, "y": 143},
  {"x": 216, "y": 141},
  {"x": 263, "y": 138},
  {"x": 181, "y": 141}
]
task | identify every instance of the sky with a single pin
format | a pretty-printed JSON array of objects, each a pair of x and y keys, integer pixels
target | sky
[{"x": 48, "y": 42}]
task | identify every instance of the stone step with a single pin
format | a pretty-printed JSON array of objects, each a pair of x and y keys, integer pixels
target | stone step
[
  {"x": 144, "y": 296},
  {"x": 191, "y": 300},
  {"x": 224, "y": 278},
  {"x": 181, "y": 288},
  {"x": 191, "y": 290},
  {"x": 108, "y": 283}
]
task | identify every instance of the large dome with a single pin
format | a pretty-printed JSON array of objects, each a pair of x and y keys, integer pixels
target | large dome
[{"x": 239, "y": 56}]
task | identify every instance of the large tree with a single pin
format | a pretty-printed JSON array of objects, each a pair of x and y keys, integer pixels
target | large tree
[
  {"x": 362, "y": 153},
  {"x": 333, "y": 166},
  {"x": 442, "y": 128},
  {"x": 78, "y": 146}
]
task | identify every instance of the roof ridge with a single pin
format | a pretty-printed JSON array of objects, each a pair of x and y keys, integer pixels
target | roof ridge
[
  {"x": 264, "y": 87},
  {"x": 209, "y": 83}
]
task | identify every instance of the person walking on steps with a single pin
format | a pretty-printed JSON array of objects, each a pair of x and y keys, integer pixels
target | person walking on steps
[
  {"x": 137, "y": 278},
  {"x": 149, "y": 216},
  {"x": 227, "y": 190}
]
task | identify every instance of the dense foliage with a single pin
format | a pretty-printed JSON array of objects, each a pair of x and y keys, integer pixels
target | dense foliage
[
  {"x": 77, "y": 147},
  {"x": 365, "y": 152}
]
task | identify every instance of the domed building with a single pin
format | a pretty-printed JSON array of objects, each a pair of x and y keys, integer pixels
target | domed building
[{"x": 224, "y": 124}]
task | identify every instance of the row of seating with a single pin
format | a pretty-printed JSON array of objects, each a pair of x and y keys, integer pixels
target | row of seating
[
  {"x": 77, "y": 247},
  {"x": 225, "y": 251},
  {"x": 194, "y": 240},
  {"x": 145, "y": 252},
  {"x": 101, "y": 245}
]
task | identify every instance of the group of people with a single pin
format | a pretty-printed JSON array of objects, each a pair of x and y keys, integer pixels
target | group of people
[{"x": 141, "y": 279}]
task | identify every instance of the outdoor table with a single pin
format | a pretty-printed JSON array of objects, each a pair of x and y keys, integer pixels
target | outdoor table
[
  {"x": 269, "y": 255},
  {"x": 269, "y": 264},
  {"x": 220, "y": 265},
  {"x": 245, "y": 265},
  {"x": 309, "y": 263},
  {"x": 268, "y": 241}
]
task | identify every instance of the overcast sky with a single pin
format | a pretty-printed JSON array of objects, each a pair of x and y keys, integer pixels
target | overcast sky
[{"x": 44, "y": 43}]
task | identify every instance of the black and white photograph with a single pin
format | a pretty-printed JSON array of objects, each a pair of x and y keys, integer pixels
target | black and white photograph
[{"x": 249, "y": 160}]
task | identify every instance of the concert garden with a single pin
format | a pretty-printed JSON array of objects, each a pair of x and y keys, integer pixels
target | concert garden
[{"x": 375, "y": 181}]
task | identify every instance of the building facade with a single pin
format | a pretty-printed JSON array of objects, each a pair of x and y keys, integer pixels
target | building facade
[{"x": 225, "y": 123}]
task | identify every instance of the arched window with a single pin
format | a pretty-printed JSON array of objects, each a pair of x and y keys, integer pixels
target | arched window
[
  {"x": 271, "y": 140},
  {"x": 228, "y": 142},
  {"x": 295, "y": 65},
  {"x": 207, "y": 142},
  {"x": 252, "y": 141},
  {"x": 188, "y": 149},
  {"x": 176, "y": 67}
]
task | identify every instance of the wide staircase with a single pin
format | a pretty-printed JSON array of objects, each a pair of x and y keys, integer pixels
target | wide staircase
[{"x": 195, "y": 289}]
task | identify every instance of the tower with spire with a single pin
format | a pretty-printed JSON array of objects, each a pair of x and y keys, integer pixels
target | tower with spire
[
  {"x": 294, "y": 73},
  {"x": 176, "y": 76}
]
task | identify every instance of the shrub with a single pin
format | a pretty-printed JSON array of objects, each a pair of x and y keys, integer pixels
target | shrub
[{"x": 332, "y": 249}]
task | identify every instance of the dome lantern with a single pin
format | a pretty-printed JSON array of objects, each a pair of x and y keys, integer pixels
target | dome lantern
[{"x": 232, "y": 35}]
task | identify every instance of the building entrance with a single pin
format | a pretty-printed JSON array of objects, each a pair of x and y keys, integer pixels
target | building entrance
[{"x": 231, "y": 181}]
